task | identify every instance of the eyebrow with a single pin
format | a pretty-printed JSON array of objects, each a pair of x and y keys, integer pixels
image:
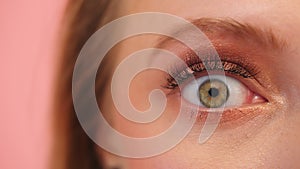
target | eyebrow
[{"x": 262, "y": 36}]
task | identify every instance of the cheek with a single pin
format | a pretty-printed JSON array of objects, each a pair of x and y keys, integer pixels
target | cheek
[
  {"x": 140, "y": 88},
  {"x": 275, "y": 146},
  {"x": 285, "y": 150}
]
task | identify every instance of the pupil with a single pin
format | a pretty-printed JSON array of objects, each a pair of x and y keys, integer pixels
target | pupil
[{"x": 213, "y": 92}]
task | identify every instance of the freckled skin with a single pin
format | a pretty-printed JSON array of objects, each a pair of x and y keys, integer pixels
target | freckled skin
[{"x": 263, "y": 136}]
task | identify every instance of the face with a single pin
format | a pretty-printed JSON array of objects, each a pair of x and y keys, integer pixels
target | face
[{"x": 257, "y": 42}]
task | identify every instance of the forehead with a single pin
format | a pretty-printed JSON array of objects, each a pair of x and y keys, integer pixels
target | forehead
[
  {"x": 282, "y": 15},
  {"x": 209, "y": 7}
]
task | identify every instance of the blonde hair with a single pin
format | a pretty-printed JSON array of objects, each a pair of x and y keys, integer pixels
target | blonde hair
[{"x": 72, "y": 148}]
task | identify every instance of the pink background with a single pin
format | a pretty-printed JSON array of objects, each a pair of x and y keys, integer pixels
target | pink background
[{"x": 28, "y": 34}]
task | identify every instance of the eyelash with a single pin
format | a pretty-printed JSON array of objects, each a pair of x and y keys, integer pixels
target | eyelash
[{"x": 195, "y": 66}]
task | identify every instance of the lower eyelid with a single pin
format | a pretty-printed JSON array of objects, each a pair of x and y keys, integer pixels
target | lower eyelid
[{"x": 235, "y": 117}]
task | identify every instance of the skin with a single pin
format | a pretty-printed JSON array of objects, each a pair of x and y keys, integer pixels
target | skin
[{"x": 268, "y": 134}]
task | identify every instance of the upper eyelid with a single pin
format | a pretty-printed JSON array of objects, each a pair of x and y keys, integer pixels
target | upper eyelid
[
  {"x": 232, "y": 63},
  {"x": 182, "y": 77}
]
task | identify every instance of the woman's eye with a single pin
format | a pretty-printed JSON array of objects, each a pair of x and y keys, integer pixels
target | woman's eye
[{"x": 215, "y": 91}]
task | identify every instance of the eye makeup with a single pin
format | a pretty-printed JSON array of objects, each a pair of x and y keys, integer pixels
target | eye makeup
[
  {"x": 232, "y": 64},
  {"x": 240, "y": 56},
  {"x": 212, "y": 64},
  {"x": 196, "y": 66}
]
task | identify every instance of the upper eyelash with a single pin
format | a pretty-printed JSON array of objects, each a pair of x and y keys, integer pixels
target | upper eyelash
[{"x": 194, "y": 66}]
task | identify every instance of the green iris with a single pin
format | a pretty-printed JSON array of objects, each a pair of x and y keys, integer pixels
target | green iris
[{"x": 213, "y": 93}]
